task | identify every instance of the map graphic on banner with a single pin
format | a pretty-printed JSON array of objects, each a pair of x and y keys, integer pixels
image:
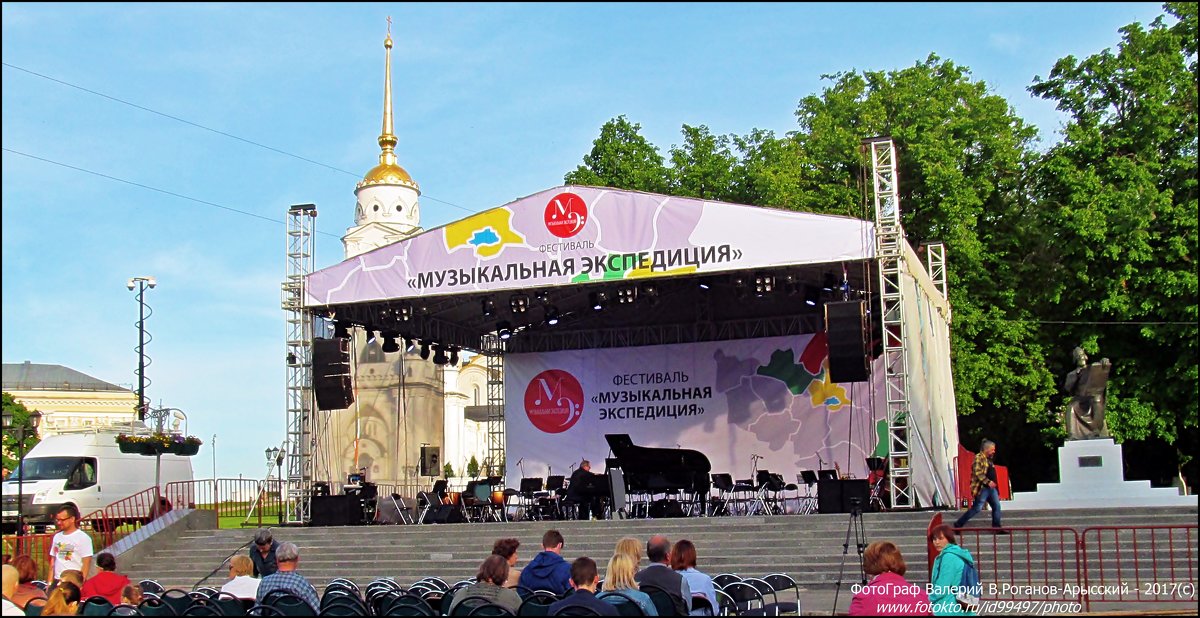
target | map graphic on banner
[{"x": 730, "y": 400}]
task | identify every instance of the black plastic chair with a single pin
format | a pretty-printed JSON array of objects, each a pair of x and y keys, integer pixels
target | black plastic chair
[
  {"x": 206, "y": 591},
  {"x": 724, "y": 579},
  {"x": 781, "y": 582},
  {"x": 701, "y": 602},
  {"x": 264, "y": 610},
  {"x": 287, "y": 603},
  {"x": 448, "y": 597},
  {"x": 408, "y": 604},
  {"x": 149, "y": 585},
  {"x": 95, "y": 606},
  {"x": 123, "y": 609},
  {"x": 40, "y": 585},
  {"x": 177, "y": 599},
  {"x": 344, "y": 608},
  {"x": 380, "y": 601},
  {"x": 624, "y": 603},
  {"x": 203, "y": 607},
  {"x": 576, "y": 610},
  {"x": 478, "y": 606},
  {"x": 537, "y": 603},
  {"x": 34, "y": 608},
  {"x": 726, "y": 606},
  {"x": 663, "y": 601},
  {"x": 231, "y": 605},
  {"x": 748, "y": 600},
  {"x": 155, "y": 607}
]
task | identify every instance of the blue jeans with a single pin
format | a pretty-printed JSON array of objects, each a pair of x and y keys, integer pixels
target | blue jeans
[{"x": 990, "y": 495}]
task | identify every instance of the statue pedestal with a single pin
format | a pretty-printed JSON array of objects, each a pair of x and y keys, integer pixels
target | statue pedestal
[{"x": 1091, "y": 475}]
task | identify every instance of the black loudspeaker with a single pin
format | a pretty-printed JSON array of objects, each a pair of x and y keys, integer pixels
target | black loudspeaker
[
  {"x": 842, "y": 496},
  {"x": 335, "y": 511},
  {"x": 844, "y": 322},
  {"x": 331, "y": 374},
  {"x": 444, "y": 514},
  {"x": 431, "y": 461}
]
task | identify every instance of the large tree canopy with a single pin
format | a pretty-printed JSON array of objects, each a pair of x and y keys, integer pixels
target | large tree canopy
[{"x": 1091, "y": 243}]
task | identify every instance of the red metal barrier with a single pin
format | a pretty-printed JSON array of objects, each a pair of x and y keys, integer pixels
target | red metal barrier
[
  {"x": 931, "y": 552},
  {"x": 246, "y": 500},
  {"x": 126, "y": 515},
  {"x": 1140, "y": 564},
  {"x": 36, "y": 546},
  {"x": 1029, "y": 564}
]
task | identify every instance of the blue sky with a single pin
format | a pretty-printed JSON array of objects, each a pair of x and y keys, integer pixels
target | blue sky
[{"x": 492, "y": 102}]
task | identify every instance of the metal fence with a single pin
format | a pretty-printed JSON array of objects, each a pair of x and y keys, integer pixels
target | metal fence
[{"x": 1095, "y": 567}]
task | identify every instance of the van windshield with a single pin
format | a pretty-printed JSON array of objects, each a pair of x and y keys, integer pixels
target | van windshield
[{"x": 44, "y": 468}]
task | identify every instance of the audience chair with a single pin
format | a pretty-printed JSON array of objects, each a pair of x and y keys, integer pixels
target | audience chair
[
  {"x": 122, "y": 610},
  {"x": 663, "y": 602},
  {"x": 264, "y": 610},
  {"x": 625, "y": 604},
  {"x": 536, "y": 602},
  {"x": 747, "y": 598},
  {"x": 724, "y": 579},
  {"x": 40, "y": 585},
  {"x": 177, "y": 599},
  {"x": 448, "y": 597},
  {"x": 156, "y": 607},
  {"x": 344, "y": 607},
  {"x": 149, "y": 585},
  {"x": 772, "y": 605},
  {"x": 203, "y": 607},
  {"x": 230, "y": 605},
  {"x": 287, "y": 603},
  {"x": 781, "y": 582},
  {"x": 95, "y": 606},
  {"x": 701, "y": 603},
  {"x": 577, "y": 610},
  {"x": 726, "y": 606},
  {"x": 408, "y": 604},
  {"x": 207, "y": 591}
]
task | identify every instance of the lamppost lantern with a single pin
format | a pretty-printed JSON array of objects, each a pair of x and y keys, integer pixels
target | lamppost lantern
[{"x": 35, "y": 420}]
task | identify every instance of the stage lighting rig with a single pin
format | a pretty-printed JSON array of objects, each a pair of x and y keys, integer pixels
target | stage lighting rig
[
  {"x": 439, "y": 355},
  {"x": 504, "y": 329},
  {"x": 390, "y": 345},
  {"x": 763, "y": 284},
  {"x": 424, "y": 350},
  {"x": 598, "y": 300},
  {"x": 626, "y": 296},
  {"x": 551, "y": 315},
  {"x": 519, "y": 303},
  {"x": 489, "y": 307}
]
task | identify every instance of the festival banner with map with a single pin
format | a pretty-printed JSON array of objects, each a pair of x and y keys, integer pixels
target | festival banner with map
[
  {"x": 571, "y": 235},
  {"x": 730, "y": 400}
]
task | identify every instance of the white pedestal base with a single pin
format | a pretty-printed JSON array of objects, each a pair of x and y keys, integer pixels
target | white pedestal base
[{"x": 1092, "y": 476}]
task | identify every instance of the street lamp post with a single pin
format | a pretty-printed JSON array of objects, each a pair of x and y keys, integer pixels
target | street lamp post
[
  {"x": 141, "y": 283},
  {"x": 275, "y": 459},
  {"x": 159, "y": 415},
  {"x": 18, "y": 431}
]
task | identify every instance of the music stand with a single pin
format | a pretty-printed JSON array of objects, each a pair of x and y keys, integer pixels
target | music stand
[
  {"x": 808, "y": 477},
  {"x": 827, "y": 475},
  {"x": 439, "y": 488}
]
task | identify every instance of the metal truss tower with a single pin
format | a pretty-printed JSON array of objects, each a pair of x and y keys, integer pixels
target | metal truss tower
[
  {"x": 493, "y": 348},
  {"x": 301, "y": 442},
  {"x": 889, "y": 240}
]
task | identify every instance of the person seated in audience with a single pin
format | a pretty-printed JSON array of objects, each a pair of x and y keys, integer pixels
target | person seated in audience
[
  {"x": 683, "y": 560},
  {"x": 548, "y": 570},
  {"x": 888, "y": 589},
  {"x": 241, "y": 584},
  {"x": 584, "y": 579},
  {"x": 630, "y": 547},
  {"x": 507, "y": 549},
  {"x": 132, "y": 594},
  {"x": 27, "y": 573},
  {"x": 75, "y": 576},
  {"x": 659, "y": 573},
  {"x": 107, "y": 582},
  {"x": 286, "y": 579},
  {"x": 490, "y": 585},
  {"x": 619, "y": 578},
  {"x": 63, "y": 601},
  {"x": 8, "y": 588}
]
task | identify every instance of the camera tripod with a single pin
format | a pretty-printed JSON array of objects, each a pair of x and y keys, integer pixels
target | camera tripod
[{"x": 855, "y": 527}]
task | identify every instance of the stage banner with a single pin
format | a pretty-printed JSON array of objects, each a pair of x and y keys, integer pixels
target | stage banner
[
  {"x": 578, "y": 235},
  {"x": 731, "y": 400}
]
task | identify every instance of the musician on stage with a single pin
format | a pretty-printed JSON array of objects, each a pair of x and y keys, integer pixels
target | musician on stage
[{"x": 588, "y": 502}]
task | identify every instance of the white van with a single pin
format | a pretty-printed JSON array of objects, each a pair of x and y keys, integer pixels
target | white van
[{"x": 84, "y": 468}]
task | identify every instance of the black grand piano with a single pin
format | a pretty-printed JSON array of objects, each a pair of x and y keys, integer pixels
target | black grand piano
[{"x": 650, "y": 471}]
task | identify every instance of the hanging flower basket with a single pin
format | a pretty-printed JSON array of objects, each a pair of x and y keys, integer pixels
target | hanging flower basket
[{"x": 158, "y": 443}]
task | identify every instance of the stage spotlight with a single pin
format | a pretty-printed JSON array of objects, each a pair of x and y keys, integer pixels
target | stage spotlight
[
  {"x": 740, "y": 289},
  {"x": 626, "y": 296},
  {"x": 650, "y": 293},
  {"x": 406, "y": 312},
  {"x": 519, "y": 303},
  {"x": 763, "y": 284},
  {"x": 598, "y": 300},
  {"x": 489, "y": 307},
  {"x": 390, "y": 345},
  {"x": 791, "y": 285},
  {"x": 812, "y": 296},
  {"x": 704, "y": 286},
  {"x": 551, "y": 315},
  {"x": 504, "y": 330},
  {"x": 341, "y": 330},
  {"x": 439, "y": 355},
  {"x": 829, "y": 282},
  {"x": 409, "y": 344},
  {"x": 454, "y": 356},
  {"x": 543, "y": 297},
  {"x": 424, "y": 350}
]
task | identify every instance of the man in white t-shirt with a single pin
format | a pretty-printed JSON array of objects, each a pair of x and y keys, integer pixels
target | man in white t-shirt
[{"x": 71, "y": 548}]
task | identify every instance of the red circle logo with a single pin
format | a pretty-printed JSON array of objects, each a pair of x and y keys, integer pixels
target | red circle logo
[
  {"x": 554, "y": 401},
  {"x": 566, "y": 214}
]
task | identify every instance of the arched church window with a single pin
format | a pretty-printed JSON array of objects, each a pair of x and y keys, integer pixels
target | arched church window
[{"x": 373, "y": 353}]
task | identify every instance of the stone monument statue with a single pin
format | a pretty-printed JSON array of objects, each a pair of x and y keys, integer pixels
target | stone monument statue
[{"x": 1086, "y": 385}]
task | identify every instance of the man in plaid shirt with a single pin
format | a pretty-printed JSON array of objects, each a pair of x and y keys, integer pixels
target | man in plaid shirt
[
  {"x": 286, "y": 579},
  {"x": 983, "y": 486}
]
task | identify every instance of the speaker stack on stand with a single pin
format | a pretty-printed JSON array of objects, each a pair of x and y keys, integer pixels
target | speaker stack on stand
[
  {"x": 331, "y": 374},
  {"x": 845, "y": 330}
]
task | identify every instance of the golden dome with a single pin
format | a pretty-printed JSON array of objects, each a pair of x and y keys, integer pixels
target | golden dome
[{"x": 388, "y": 174}]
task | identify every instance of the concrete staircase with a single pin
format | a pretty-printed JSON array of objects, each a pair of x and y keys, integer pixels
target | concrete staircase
[{"x": 806, "y": 547}]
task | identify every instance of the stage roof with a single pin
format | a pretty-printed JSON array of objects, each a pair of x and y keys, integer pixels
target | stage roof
[{"x": 690, "y": 270}]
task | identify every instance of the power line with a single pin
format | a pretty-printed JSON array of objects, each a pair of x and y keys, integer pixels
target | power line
[
  {"x": 163, "y": 191},
  {"x": 217, "y": 131}
]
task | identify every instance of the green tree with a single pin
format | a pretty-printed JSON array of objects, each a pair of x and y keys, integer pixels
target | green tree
[
  {"x": 447, "y": 471},
  {"x": 473, "y": 468},
  {"x": 20, "y": 417},
  {"x": 703, "y": 166},
  {"x": 1120, "y": 191},
  {"x": 621, "y": 157}
]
